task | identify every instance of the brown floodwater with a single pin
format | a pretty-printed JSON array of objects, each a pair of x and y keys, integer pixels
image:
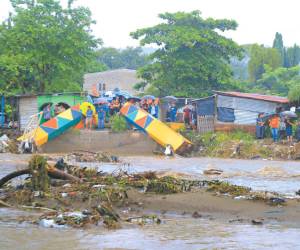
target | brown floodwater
[{"x": 176, "y": 232}]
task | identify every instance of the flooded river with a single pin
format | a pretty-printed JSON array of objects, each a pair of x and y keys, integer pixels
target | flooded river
[
  {"x": 176, "y": 232},
  {"x": 262, "y": 175}
]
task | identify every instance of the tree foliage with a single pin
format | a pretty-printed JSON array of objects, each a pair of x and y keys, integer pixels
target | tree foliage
[
  {"x": 292, "y": 56},
  {"x": 281, "y": 81},
  {"x": 259, "y": 57},
  {"x": 193, "y": 57},
  {"x": 45, "y": 47},
  {"x": 278, "y": 44},
  {"x": 129, "y": 58}
]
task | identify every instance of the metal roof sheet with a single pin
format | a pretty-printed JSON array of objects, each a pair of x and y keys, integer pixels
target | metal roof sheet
[{"x": 268, "y": 98}]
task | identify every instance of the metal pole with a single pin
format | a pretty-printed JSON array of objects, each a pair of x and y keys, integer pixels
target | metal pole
[{"x": 2, "y": 111}]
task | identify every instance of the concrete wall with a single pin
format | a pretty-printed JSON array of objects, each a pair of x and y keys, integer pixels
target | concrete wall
[{"x": 127, "y": 143}]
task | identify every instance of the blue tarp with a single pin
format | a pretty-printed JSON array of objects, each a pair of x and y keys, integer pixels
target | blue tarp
[
  {"x": 225, "y": 114},
  {"x": 206, "y": 106}
]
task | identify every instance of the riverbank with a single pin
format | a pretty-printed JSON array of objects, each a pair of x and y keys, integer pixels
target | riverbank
[{"x": 241, "y": 145}]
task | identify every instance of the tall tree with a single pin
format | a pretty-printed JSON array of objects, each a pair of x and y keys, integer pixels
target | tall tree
[
  {"x": 44, "y": 47},
  {"x": 259, "y": 57},
  {"x": 292, "y": 56},
  {"x": 192, "y": 58},
  {"x": 278, "y": 44}
]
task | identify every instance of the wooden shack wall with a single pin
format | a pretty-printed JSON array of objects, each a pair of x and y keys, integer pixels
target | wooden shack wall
[{"x": 27, "y": 106}]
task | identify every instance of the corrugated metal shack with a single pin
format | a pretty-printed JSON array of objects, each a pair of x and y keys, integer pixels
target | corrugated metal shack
[{"x": 230, "y": 110}]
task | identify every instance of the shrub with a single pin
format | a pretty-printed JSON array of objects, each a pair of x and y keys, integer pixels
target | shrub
[{"x": 118, "y": 123}]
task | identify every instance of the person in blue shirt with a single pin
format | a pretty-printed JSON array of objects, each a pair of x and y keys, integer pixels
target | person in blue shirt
[
  {"x": 101, "y": 116},
  {"x": 173, "y": 112},
  {"x": 89, "y": 118}
]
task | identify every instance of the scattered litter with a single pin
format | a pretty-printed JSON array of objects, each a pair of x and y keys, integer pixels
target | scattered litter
[
  {"x": 241, "y": 197},
  {"x": 145, "y": 219},
  {"x": 86, "y": 156},
  {"x": 4, "y": 144},
  {"x": 50, "y": 223},
  {"x": 100, "y": 186},
  {"x": 196, "y": 215},
  {"x": 257, "y": 221},
  {"x": 67, "y": 185},
  {"x": 213, "y": 171}
]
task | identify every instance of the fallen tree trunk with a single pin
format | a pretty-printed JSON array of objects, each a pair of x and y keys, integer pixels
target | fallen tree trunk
[
  {"x": 52, "y": 173},
  {"x": 58, "y": 174},
  {"x": 13, "y": 175}
]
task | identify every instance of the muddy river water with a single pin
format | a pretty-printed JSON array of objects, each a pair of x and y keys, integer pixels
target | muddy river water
[{"x": 176, "y": 231}]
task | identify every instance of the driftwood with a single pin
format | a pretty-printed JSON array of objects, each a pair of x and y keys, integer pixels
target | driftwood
[
  {"x": 52, "y": 172},
  {"x": 58, "y": 174},
  {"x": 4, "y": 204},
  {"x": 13, "y": 175}
]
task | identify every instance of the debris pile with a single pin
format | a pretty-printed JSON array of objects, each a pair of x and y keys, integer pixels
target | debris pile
[
  {"x": 83, "y": 197},
  {"x": 86, "y": 156},
  {"x": 4, "y": 144},
  {"x": 240, "y": 192}
]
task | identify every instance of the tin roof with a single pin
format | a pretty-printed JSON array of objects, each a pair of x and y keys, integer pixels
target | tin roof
[{"x": 268, "y": 98}]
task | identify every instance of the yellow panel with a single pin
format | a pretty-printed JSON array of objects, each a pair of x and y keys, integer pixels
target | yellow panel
[
  {"x": 163, "y": 135},
  {"x": 41, "y": 137},
  {"x": 84, "y": 107},
  {"x": 175, "y": 125},
  {"x": 141, "y": 114},
  {"x": 66, "y": 114},
  {"x": 27, "y": 136}
]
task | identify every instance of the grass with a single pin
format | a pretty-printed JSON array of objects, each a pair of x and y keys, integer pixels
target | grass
[{"x": 238, "y": 144}]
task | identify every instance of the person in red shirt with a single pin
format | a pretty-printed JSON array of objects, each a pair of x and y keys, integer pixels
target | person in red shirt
[{"x": 187, "y": 115}]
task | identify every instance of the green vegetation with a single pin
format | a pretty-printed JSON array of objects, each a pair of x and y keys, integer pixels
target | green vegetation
[
  {"x": 227, "y": 188},
  {"x": 129, "y": 58},
  {"x": 118, "y": 123},
  {"x": 45, "y": 47},
  {"x": 260, "y": 57},
  {"x": 39, "y": 173},
  {"x": 236, "y": 144},
  {"x": 193, "y": 57}
]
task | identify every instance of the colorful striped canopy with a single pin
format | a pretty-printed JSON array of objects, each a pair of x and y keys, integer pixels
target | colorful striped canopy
[
  {"x": 156, "y": 129},
  {"x": 57, "y": 125}
]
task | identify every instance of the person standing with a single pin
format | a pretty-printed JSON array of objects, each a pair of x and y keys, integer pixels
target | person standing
[
  {"x": 101, "y": 116},
  {"x": 154, "y": 109},
  {"x": 289, "y": 129},
  {"x": 194, "y": 116},
  {"x": 274, "y": 125},
  {"x": 47, "y": 112},
  {"x": 89, "y": 118},
  {"x": 173, "y": 112},
  {"x": 187, "y": 115},
  {"x": 298, "y": 131},
  {"x": 260, "y": 127},
  {"x": 282, "y": 128}
]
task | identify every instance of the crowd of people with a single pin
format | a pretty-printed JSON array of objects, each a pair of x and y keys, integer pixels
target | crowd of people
[
  {"x": 106, "y": 110},
  {"x": 189, "y": 115},
  {"x": 280, "y": 126}
]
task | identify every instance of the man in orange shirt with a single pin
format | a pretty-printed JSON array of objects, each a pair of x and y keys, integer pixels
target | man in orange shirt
[{"x": 274, "y": 125}]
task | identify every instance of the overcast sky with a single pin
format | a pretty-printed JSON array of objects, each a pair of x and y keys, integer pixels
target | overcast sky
[{"x": 258, "y": 19}]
